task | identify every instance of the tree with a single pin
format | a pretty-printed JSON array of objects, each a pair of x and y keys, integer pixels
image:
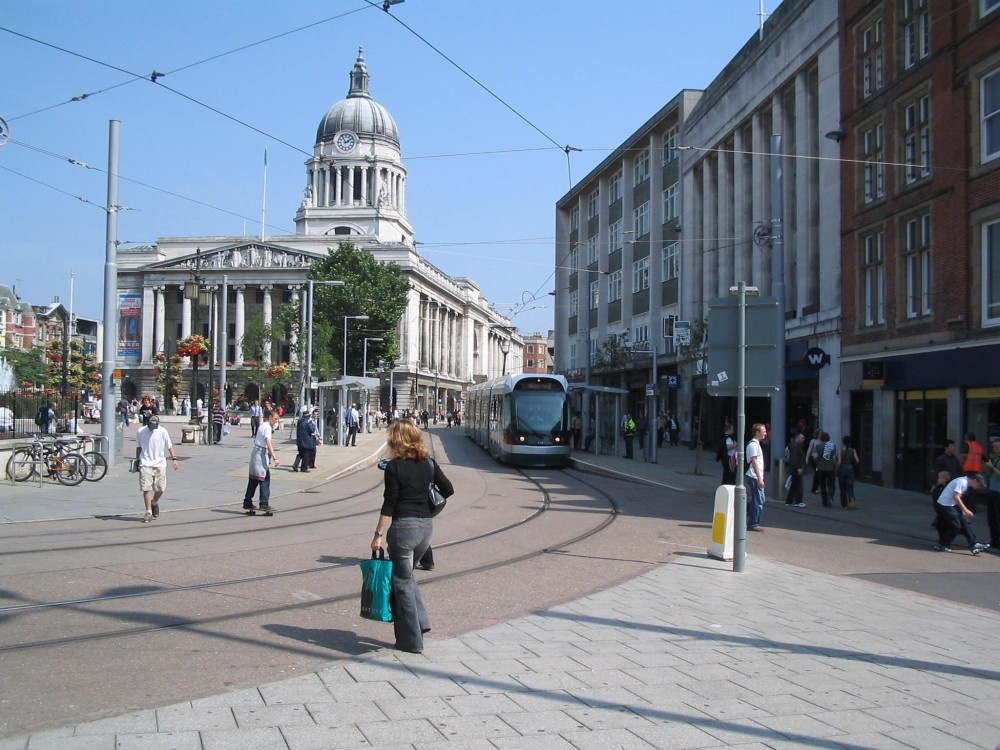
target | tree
[
  {"x": 28, "y": 366},
  {"x": 378, "y": 290},
  {"x": 82, "y": 371},
  {"x": 256, "y": 336}
]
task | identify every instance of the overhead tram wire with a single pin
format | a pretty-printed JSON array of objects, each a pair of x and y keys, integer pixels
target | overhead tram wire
[{"x": 152, "y": 77}]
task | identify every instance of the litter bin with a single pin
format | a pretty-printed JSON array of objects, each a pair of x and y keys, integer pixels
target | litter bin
[{"x": 187, "y": 434}]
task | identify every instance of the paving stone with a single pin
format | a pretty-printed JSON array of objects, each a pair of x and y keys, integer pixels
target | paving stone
[
  {"x": 542, "y": 722},
  {"x": 269, "y": 738},
  {"x": 164, "y": 741},
  {"x": 281, "y": 715},
  {"x": 179, "y": 718},
  {"x": 131, "y": 723}
]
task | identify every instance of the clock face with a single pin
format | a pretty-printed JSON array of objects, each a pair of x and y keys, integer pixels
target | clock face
[{"x": 346, "y": 141}]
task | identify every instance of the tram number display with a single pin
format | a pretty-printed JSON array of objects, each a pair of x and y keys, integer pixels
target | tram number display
[{"x": 538, "y": 385}]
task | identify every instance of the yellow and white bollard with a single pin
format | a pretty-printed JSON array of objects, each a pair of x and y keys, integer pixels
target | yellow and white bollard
[{"x": 721, "y": 546}]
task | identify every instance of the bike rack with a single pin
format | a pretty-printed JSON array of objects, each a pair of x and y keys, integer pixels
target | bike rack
[{"x": 37, "y": 463}]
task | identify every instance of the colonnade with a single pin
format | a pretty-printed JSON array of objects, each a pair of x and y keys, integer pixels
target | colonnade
[
  {"x": 155, "y": 307},
  {"x": 333, "y": 185}
]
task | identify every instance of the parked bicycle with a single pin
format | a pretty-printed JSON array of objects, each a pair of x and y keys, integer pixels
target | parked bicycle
[
  {"x": 97, "y": 464},
  {"x": 53, "y": 458}
]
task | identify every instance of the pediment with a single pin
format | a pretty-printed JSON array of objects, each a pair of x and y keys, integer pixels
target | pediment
[{"x": 248, "y": 255}]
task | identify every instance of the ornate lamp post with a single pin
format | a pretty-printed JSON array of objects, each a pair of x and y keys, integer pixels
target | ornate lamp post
[
  {"x": 364, "y": 374},
  {"x": 307, "y": 385},
  {"x": 198, "y": 297}
]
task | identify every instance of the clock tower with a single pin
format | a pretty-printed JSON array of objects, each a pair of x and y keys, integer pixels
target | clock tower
[{"x": 355, "y": 181}]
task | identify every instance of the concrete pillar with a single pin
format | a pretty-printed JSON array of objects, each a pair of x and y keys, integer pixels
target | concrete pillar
[{"x": 241, "y": 315}]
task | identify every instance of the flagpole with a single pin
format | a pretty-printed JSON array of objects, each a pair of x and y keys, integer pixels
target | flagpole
[{"x": 263, "y": 202}]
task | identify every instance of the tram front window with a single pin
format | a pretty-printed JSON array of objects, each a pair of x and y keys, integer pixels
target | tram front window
[{"x": 538, "y": 414}]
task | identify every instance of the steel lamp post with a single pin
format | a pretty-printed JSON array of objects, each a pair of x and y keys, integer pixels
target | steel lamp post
[
  {"x": 347, "y": 318},
  {"x": 364, "y": 374}
]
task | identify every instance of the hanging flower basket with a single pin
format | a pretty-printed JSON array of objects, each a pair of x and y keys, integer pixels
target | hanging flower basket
[
  {"x": 279, "y": 371},
  {"x": 192, "y": 346}
]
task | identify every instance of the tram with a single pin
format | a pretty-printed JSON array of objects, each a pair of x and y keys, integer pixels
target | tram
[{"x": 521, "y": 419}]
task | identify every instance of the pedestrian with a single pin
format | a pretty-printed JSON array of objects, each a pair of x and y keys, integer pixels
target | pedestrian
[
  {"x": 406, "y": 525},
  {"x": 576, "y": 424},
  {"x": 755, "y": 478},
  {"x": 849, "y": 462},
  {"x": 147, "y": 408},
  {"x": 811, "y": 449},
  {"x": 972, "y": 463},
  {"x": 728, "y": 456},
  {"x": 675, "y": 430},
  {"x": 641, "y": 430},
  {"x": 948, "y": 461},
  {"x": 953, "y": 513},
  {"x": 826, "y": 457},
  {"x": 993, "y": 499},
  {"x": 255, "y": 412},
  {"x": 351, "y": 419},
  {"x": 306, "y": 439},
  {"x": 628, "y": 430},
  {"x": 796, "y": 460},
  {"x": 154, "y": 445},
  {"x": 218, "y": 420},
  {"x": 260, "y": 468}
]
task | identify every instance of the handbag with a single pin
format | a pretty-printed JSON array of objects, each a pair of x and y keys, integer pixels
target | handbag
[
  {"x": 434, "y": 497},
  {"x": 788, "y": 483},
  {"x": 376, "y": 583}
]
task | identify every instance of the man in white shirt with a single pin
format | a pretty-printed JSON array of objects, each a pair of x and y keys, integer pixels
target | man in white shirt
[
  {"x": 952, "y": 513},
  {"x": 154, "y": 445},
  {"x": 755, "y": 478}
]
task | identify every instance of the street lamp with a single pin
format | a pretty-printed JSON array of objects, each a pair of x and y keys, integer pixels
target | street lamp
[
  {"x": 504, "y": 344},
  {"x": 198, "y": 297},
  {"x": 347, "y": 318},
  {"x": 309, "y": 353},
  {"x": 364, "y": 374}
]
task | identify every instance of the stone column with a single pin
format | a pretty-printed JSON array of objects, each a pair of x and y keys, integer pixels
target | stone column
[
  {"x": 297, "y": 298},
  {"x": 267, "y": 288},
  {"x": 760, "y": 176},
  {"x": 148, "y": 312},
  {"x": 185, "y": 320},
  {"x": 364, "y": 187},
  {"x": 158, "y": 336},
  {"x": 241, "y": 316}
]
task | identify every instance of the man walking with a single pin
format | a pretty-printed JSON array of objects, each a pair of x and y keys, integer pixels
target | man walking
[
  {"x": 153, "y": 446},
  {"x": 255, "y": 412},
  {"x": 306, "y": 439},
  {"x": 953, "y": 514},
  {"x": 755, "y": 478}
]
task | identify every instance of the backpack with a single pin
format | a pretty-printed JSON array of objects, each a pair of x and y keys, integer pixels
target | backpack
[{"x": 42, "y": 417}]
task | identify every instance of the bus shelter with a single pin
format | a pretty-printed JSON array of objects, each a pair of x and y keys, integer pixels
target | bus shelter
[
  {"x": 336, "y": 394},
  {"x": 600, "y": 407}
]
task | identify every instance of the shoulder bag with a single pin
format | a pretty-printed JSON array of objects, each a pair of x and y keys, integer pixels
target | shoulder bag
[{"x": 436, "y": 500}]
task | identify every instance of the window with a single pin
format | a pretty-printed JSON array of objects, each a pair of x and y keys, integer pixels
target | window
[
  {"x": 594, "y": 203},
  {"x": 615, "y": 237},
  {"x": 615, "y": 188},
  {"x": 991, "y": 273},
  {"x": 574, "y": 303},
  {"x": 615, "y": 286},
  {"x": 671, "y": 262},
  {"x": 670, "y": 145},
  {"x": 592, "y": 250},
  {"x": 640, "y": 274},
  {"x": 640, "y": 336},
  {"x": 531, "y": 363},
  {"x": 573, "y": 259},
  {"x": 991, "y": 116},
  {"x": 531, "y": 349},
  {"x": 595, "y": 297},
  {"x": 872, "y": 153},
  {"x": 873, "y": 267},
  {"x": 640, "y": 220},
  {"x": 670, "y": 203},
  {"x": 572, "y": 356},
  {"x": 871, "y": 65},
  {"x": 916, "y": 32},
  {"x": 917, "y": 260},
  {"x": 574, "y": 218},
  {"x": 917, "y": 139},
  {"x": 989, "y": 6},
  {"x": 641, "y": 167}
]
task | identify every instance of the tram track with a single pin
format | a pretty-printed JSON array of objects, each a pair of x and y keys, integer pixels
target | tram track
[{"x": 12, "y": 611}]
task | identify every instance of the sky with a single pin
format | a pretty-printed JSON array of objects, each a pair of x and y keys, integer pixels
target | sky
[{"x": 486, "y": 95}]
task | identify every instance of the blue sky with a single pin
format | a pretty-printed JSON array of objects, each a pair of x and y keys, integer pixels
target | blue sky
[{"x": 483, "y": 179}]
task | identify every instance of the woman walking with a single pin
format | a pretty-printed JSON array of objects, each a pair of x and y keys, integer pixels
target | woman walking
[
  {"x": 848, "y": 466},
  {"x": 405, "y": 524}
]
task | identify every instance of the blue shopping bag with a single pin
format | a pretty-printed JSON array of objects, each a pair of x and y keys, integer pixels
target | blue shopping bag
[{"x": 376, "y": 583}]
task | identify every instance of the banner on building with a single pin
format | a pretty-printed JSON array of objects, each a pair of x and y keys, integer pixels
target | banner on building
[{"x": 129, "y": 326}]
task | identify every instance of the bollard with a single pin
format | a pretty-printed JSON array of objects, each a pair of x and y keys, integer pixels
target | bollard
[{"x": 721, "y": 545}]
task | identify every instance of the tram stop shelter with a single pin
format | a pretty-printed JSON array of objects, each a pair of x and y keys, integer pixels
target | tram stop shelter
[
  {"x": 335, "y": 394},
  {"x": 601, "y": 409}
]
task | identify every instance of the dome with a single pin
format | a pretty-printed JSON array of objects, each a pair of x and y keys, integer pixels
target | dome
[{"x": 358, "y": 113}]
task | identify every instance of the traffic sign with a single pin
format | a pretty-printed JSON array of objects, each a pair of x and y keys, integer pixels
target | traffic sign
[{"x": 764, "y": 342}]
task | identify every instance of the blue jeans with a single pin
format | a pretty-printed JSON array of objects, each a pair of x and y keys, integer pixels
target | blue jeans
[
  {"x": 755, "y": 502},
  {"x": 407, "y": 540},
  {"x": 265, "y": 490}
]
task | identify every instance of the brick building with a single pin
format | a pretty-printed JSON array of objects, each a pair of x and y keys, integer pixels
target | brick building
[{"x": 920, "y": 216}]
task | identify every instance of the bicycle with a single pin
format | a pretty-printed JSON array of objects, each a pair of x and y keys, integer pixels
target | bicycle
[
  {"x": 67, "y": 468},
  {"x": 97, "y": 464}
]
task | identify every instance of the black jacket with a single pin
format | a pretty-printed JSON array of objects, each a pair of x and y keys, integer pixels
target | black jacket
[{"x": 406, "y": 483}]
